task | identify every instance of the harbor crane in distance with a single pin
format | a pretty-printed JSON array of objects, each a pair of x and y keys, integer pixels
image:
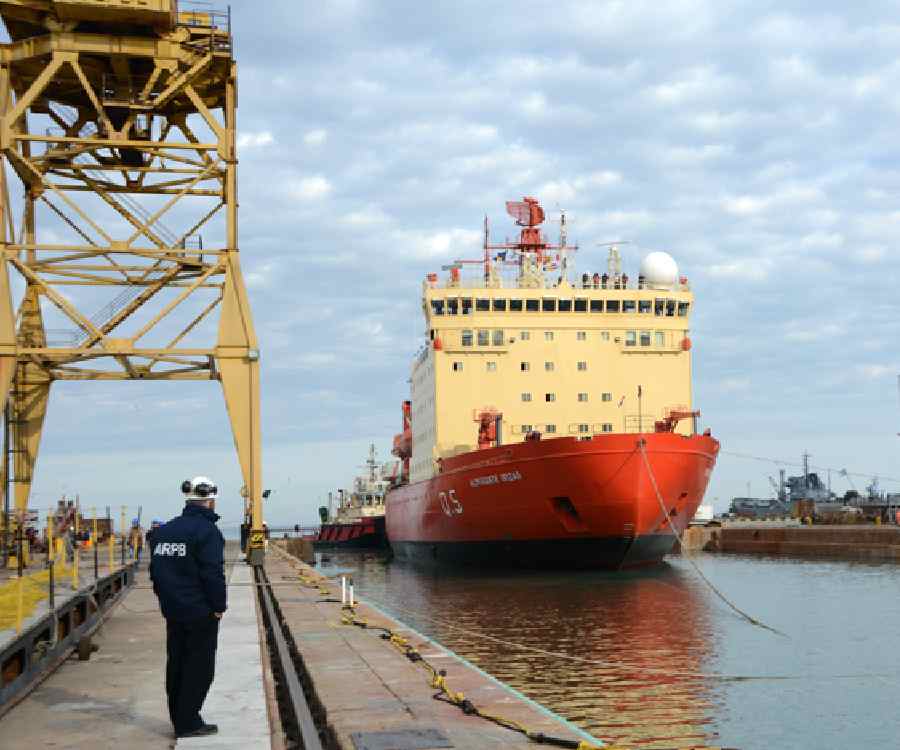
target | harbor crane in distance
[{"x": 115, "y": 117}]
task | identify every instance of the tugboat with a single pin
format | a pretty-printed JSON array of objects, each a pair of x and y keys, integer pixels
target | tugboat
[
  {"x": 358, "y": 521},
  {"x": 550, "y": 420}
]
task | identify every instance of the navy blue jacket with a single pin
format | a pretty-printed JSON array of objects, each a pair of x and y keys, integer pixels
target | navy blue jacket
[{"x": 187, "y": 565}]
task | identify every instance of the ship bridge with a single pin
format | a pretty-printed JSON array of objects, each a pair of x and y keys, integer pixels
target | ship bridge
[{"x": 520, "y": 334}]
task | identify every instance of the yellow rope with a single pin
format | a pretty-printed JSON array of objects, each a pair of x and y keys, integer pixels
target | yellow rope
[{"x": 749, "y": 618}]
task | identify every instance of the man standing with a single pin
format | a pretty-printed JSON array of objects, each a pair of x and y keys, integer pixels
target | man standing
[{"x": 187, "y": 570}]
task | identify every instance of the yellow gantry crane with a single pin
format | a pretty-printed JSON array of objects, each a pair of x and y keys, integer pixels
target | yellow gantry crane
[{"x": 118, "y": 119}]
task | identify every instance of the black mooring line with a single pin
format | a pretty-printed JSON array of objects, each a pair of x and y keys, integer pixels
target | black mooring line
[{"x": 308, "y": 731}]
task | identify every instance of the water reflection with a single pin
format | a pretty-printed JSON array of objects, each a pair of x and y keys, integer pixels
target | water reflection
[{"x": 619, "y": 654}]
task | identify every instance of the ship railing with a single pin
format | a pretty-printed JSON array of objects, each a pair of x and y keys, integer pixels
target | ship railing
[
  {"x": 295, "y": 531},
  {"x": 508, "y": 281}
]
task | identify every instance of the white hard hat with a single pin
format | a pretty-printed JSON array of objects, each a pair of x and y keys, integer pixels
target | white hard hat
[{"x": 199, "y": 488}]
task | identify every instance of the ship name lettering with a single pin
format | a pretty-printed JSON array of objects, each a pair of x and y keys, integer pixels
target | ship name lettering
[
  {"x": 482, "y": 481},
  {"x": 511, "y": 476}
]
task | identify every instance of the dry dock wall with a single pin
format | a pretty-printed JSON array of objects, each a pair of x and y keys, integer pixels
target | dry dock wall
[{"x": 845, "y": 542}]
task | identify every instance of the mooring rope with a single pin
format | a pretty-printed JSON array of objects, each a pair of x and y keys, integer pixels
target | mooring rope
[{"x": 642, "y": 447}]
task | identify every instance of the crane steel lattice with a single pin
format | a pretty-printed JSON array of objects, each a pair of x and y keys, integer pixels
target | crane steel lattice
[{"x": 140, "y": 100}]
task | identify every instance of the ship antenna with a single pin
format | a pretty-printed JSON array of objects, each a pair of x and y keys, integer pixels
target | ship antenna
[{"x": 487, "y": 254}]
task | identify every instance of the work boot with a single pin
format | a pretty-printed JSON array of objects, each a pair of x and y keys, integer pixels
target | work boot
[{"x": 201, "y": 731}]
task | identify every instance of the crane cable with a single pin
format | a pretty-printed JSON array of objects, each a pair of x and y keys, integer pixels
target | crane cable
[{"x": 642, "y": 447}]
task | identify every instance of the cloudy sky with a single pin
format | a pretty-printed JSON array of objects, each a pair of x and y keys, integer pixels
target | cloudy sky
[{"x": 755, "y": 141}]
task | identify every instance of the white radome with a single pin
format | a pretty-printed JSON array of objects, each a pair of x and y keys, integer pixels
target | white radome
[{"x": 659, "y": 270}]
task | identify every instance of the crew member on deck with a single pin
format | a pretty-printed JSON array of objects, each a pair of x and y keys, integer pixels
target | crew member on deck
[{"x": 187, "y": 570}]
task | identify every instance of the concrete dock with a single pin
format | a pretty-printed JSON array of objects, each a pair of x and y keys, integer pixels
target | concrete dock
[
  {"x": 362, "y": 686},
  {"x": 848, "y": 542},
  {"x": 117, "y": 698},
  {"x": 365, "y": 685}
]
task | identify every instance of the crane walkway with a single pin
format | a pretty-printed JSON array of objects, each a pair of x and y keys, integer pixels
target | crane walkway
[{"x": 118, "y": 699}]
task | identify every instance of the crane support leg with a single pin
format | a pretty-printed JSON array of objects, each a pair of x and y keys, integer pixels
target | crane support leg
[
  {"x": 30, "y": 393},
  {"x": 237, "y": 363}
]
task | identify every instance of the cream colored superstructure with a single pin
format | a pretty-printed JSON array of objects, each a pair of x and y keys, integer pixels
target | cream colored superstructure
[{"x": 570, "y": 372}]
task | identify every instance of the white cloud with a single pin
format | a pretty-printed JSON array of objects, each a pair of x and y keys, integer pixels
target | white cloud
[
  {"x": 254, "y": 140},
  {"x": 744, "y": 205},
  {"x": 370, "y": 216},
  {"x": 315, "y": 138},
  {"x": 534, "y": 104},
  {"x": 313, "y": 187},
  {"x": 741, "y": 269},
  {"x": 808, "y": 331},
  {"x": 260, "y": 276},
  {"x": 874, "y": 372},
  {"x": 871, "y": 254},
  {"x": 445, "y": 244},
  {"x": 734, "y": 385}
]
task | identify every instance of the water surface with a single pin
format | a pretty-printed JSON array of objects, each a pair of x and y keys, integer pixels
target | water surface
[{"x": 653, "y": 659}]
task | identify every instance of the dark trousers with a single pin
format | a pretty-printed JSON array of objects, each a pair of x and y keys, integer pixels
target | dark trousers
[{"x": 190, "y": 666}]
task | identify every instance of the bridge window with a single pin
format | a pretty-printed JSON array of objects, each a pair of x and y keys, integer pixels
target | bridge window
[
  {"x": 607, "y": 427},
  {"x": 660, "y": 338},
  {"x": 437, "y": 306},
  {"x": 526, "y": 428},
  {"x": 515, "y": 305},
  {"x": 628, "y": 306},
  {"x": 645, "y": 338},
  {"x": 670, "y": 308},
  {"x": 484, "y": 337},
  {"x": 548, "y": 366},
  {"x": 466, "y": 305},
  {"x": 457, "y": 366},
  {"x": 453, "y": 306},
  {"x": 498, "y": 337},
  {"x": 581, "y": 335},
  {"x": 612, "y": 305},
  {"x": 524, "y": 335},
  {"x": 580, "y": 305},
  {"x": 492, "y": 367},
  {"x": 659, "y": 306},
  {"x": 532, "y": 305},
  {"x": 549, "y": 397},
  {"x": 548, "y": 335},
  {"x": 466, "y": 338},
  {"x": 596, "y": 305},
  {"x": 526, "y": 397},
  {"x": 630, "y": 338},
  {"x": 683, "y": 309},
  {"x": 548, "y": 305},
  {"x": 482, "y": 305},
  {"x": 584, "y": 428},
  {"x": 645, "y": 307},
  {"x": 583, "y": 397},
  {"x": 499, "y": 305},
  {"x": 550, "y": 429},
  {"x": 565, "y": 305},
  {"x": 606, "y": 397},
  {"x": 524, "y": 366}
]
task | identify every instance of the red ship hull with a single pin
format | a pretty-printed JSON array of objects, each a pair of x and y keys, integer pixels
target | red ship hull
[
  {"x": 561, "y": 502},
  {"x": 366, "y": 533}
]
